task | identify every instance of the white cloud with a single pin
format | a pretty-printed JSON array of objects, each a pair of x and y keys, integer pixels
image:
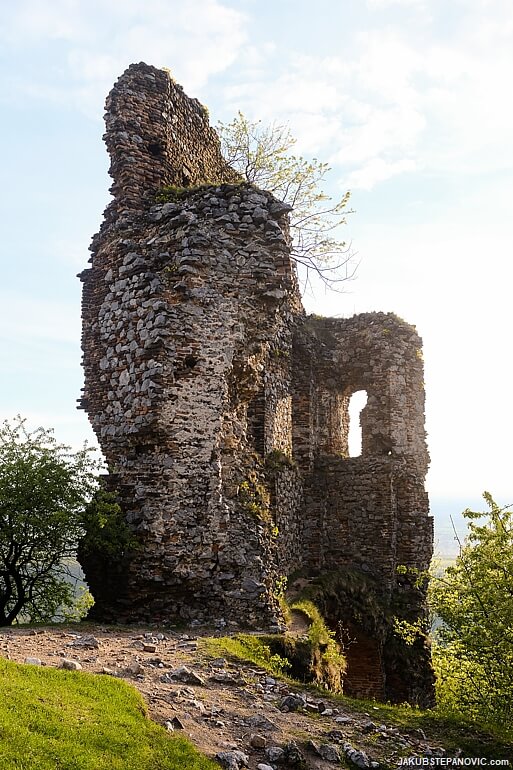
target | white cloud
[
  {"x": 375, "y": 171},
  {"x": 402, "y": 97},
  {"x": 198, "y": 38},
  {"x": 28, "y": 21}
]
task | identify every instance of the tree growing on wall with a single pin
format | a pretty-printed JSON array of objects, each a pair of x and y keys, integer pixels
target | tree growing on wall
[
  {"x": 262, "y": 155},
  {"x": 473, "y": 654},
  {"x": 44, "y": 490}
]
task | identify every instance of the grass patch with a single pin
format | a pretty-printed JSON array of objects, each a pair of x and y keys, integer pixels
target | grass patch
[
  {"x": 60, "y": 720},
  {"x": 251, "y": 649},
  {"x": 327, "y": 661},
  {"x": 449, "y": 731}
]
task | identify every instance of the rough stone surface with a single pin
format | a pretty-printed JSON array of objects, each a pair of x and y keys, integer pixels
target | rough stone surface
[
  {"x": 232, "y": 760},
  {"x": 358, "y": 758},
  {"x": 70, "y": 665},
  {"x": 222, "y": 409},
  {"x": 184, "y": 674},
  {"x": 275, "y": 753},
  {"x": 329, "y": 753},
  {"x": 292, "y": 703}
]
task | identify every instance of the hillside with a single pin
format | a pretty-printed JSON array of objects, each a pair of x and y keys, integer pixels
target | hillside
[{"x": 226, "y": 705}]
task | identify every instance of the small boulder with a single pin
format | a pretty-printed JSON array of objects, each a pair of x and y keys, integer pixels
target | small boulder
[
  {"x": 293, "y": 755},
  {"x": 258, "y": 741},
  {"x": 224, "y": 677},
  {"x": 275, "y": 754},
  {"x": 70, "y": 665},
  {"x": 87, "y": 641},
  {"x": 292, "y": 703},
  {"x": 232, "y": 760},
  {"x": 175, "y": 724},
  {"x": 329, "y": 753},
  {"x": 184, "y": 674},
  {"x": 262, "y": 723},
  {"x": 336, "y": 735},
  {"x": 358, "y": 758}
]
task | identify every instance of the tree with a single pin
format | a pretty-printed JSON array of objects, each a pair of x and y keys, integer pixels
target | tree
[
  {"x": 473, "y": 653},
  {"x": 262, "y": 156},
  {"x": 44, "y": 490}
]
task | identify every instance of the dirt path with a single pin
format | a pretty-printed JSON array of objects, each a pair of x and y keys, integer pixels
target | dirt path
[{"x": 222, "y": 706}]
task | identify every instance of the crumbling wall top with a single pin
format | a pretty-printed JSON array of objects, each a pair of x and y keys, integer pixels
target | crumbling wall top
[{"x": 156, "y": 135}]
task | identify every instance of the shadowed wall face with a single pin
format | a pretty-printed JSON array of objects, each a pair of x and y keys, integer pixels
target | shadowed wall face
[{"x": 222, "y": 409}]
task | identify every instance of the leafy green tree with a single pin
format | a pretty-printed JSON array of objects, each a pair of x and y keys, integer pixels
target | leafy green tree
[
  {"x": 44, "y": 490},
  {"x": 262, "y": 155},
  {"x": 473, "y": 653}
]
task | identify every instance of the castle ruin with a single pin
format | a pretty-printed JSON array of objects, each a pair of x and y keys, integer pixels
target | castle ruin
[{"x": 222, "y": 408}]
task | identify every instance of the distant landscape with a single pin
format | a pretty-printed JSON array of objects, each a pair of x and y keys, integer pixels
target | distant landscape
[{"x": 450, "y": 524}]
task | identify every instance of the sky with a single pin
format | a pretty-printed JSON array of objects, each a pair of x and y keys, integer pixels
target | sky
[{"x": 409, "y": 101}]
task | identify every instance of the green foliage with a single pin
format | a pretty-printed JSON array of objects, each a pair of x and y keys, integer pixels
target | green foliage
[
  {"x": 473, "y": 653},
  {"x": 262, "y": 155},
  {"x": 105, "y": 529},
  {"x": 169, "y": 73},
  {"x": 332, "y": 658},
  {"x": 75, "y": 721},
  {"x": 250, "y": 648},
  {"x": 280, "y": 585},
  {"x": 453, "y": 731},
  {"x": 204, "y": 110},
  {"x": 409, "y": 632},
  {"x": 81, "y": 606},
  {"x": 349, "y": 594},
  {"x": 254, "y": 498},
  {"x": 318, "y": 631},
  {"x": 44, "y": 488},
  {"x": 171, "y": 193},
  {"x": 277, "y": 460}
]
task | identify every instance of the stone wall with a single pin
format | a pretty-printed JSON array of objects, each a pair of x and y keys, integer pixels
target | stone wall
[
  {"x": 186, "y": 309},
  {"x": 222, "y": 409},
  {"x": 383, "y": 490},
  {"x": 157, "y": 136}
]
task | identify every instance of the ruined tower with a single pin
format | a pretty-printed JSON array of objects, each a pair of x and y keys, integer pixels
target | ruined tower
[{"x": 222, "y": 409}]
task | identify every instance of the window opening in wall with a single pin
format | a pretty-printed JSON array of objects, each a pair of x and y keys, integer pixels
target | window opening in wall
[
  {"x": 155, "y": 149},
  {"x": 356, "y": 403}
]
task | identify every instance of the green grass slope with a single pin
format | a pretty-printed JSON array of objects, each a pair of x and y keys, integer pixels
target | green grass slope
[{"x": 59, "y": 720}]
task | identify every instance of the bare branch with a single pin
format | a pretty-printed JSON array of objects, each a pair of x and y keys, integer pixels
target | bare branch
[{"x": 262, "y": 156}]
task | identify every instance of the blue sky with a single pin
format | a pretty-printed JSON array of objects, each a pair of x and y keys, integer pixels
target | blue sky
[{"x": 408, "y": 100}]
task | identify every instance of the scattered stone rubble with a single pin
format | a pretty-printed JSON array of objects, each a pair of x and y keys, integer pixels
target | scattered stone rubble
[
  {"x": 222, "y": 409},
  {"x": 243, "y": 724}
]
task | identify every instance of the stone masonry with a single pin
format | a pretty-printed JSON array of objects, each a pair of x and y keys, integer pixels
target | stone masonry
[{"x": 222, "y": 409}]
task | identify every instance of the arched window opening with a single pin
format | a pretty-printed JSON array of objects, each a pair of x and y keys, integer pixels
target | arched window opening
[{"x": 357, "y": 402}]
